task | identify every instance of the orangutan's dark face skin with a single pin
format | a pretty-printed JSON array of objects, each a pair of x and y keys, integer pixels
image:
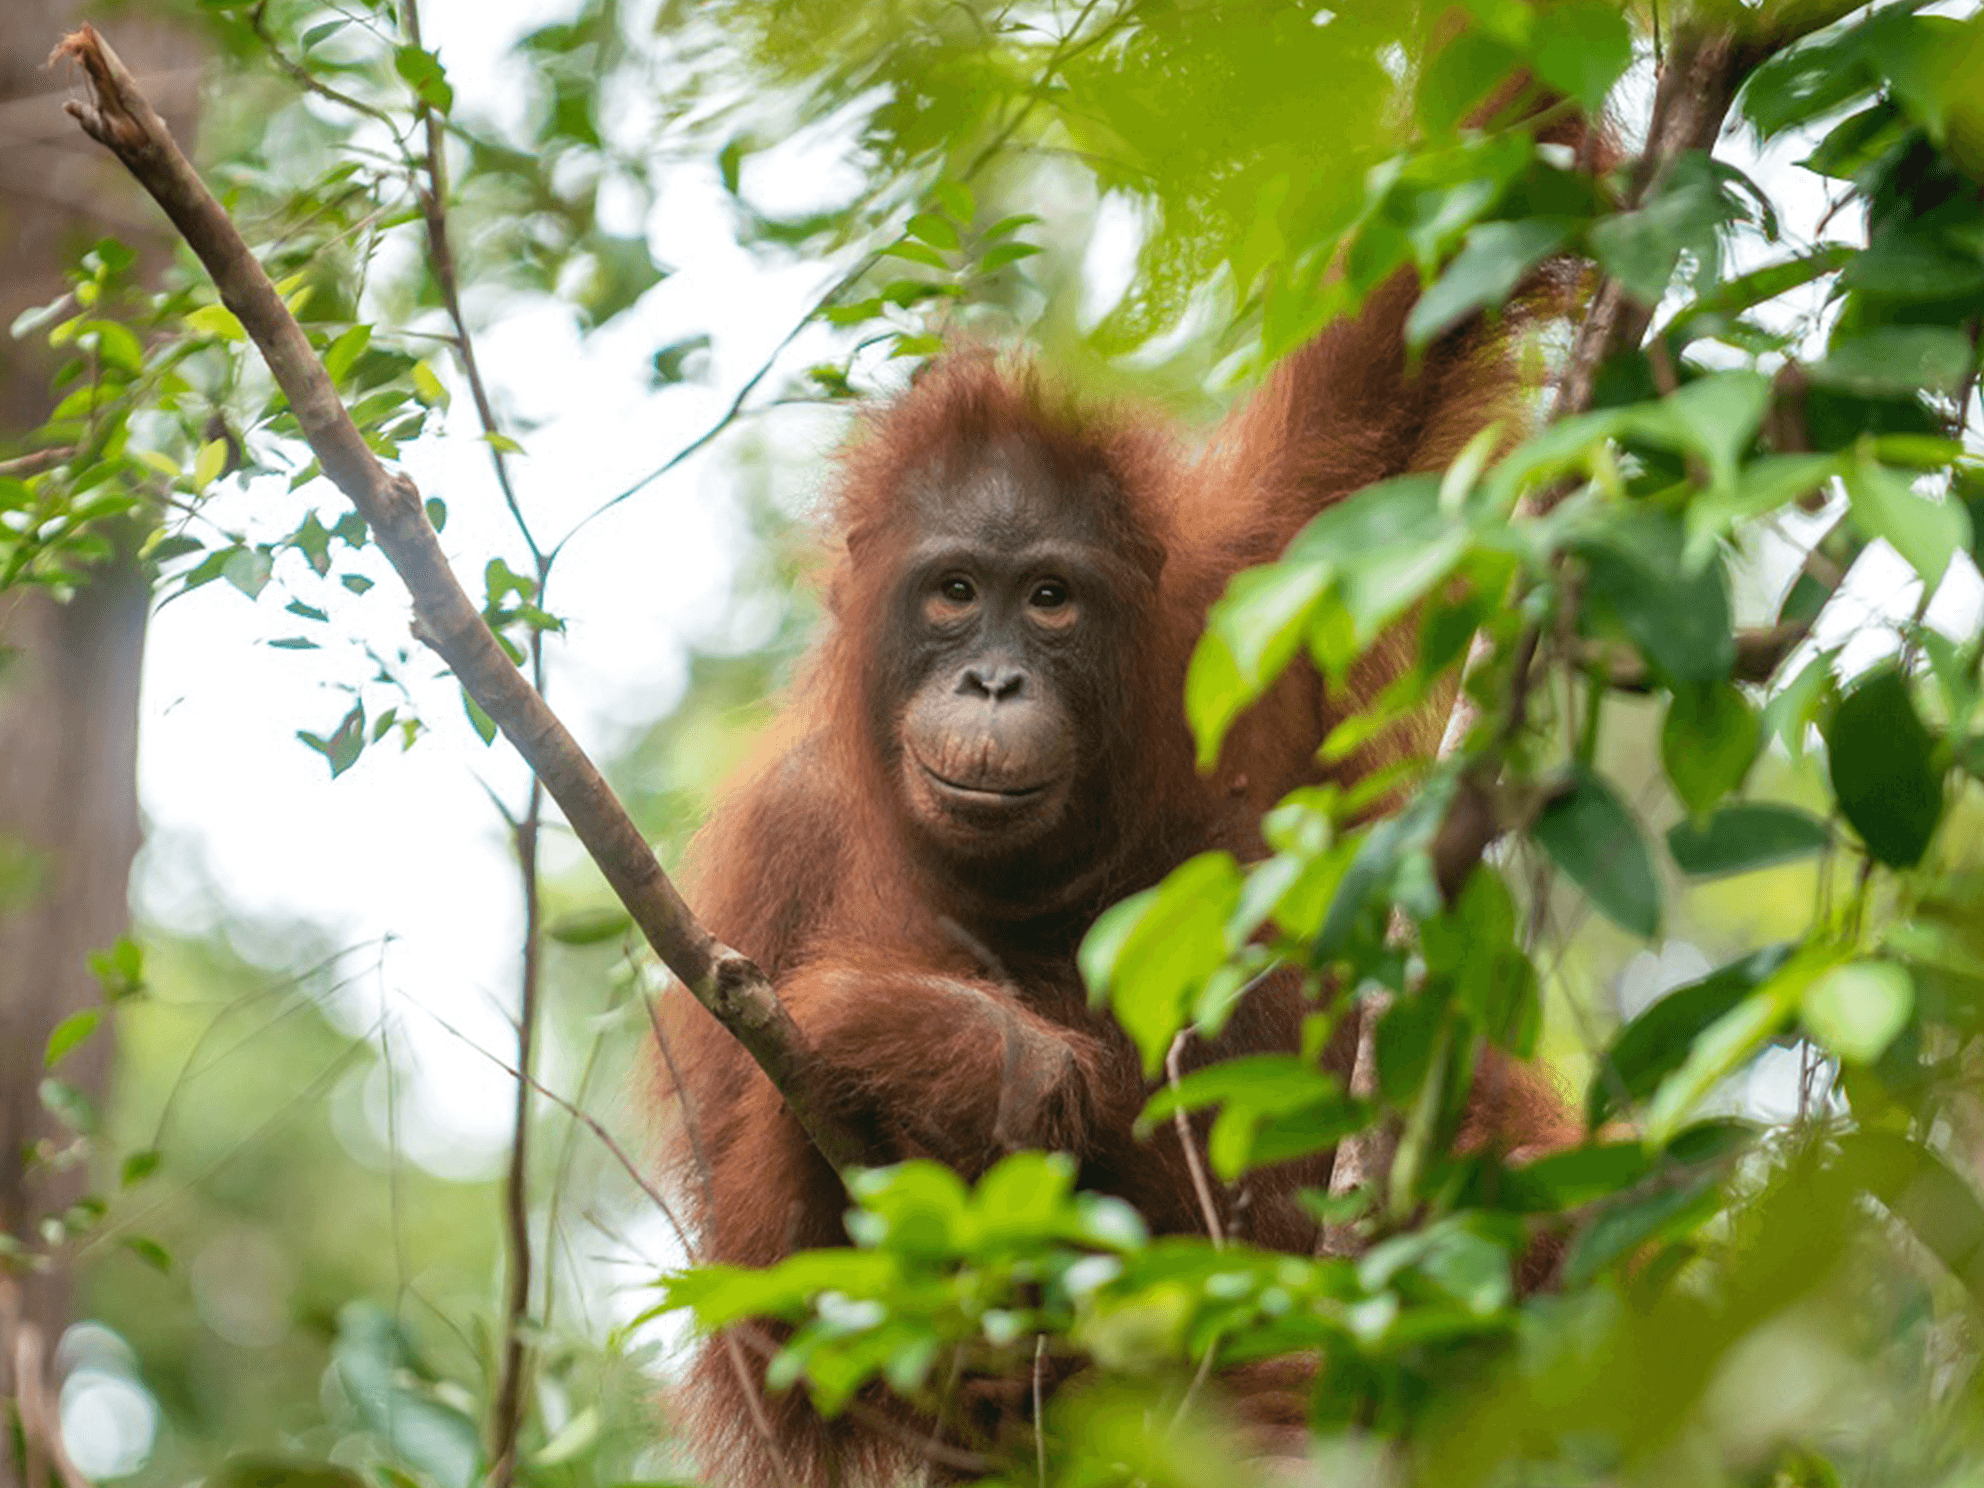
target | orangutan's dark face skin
[{"x": 1005, "y": 663}]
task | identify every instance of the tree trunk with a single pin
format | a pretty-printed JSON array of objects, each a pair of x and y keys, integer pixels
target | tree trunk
[{"x": 69, "y": 671}]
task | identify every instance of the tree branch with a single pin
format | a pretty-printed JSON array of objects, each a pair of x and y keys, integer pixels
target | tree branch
[
  {"x": 1759, "y": 653},
  {"x": 735, "y": 991},
  {"x": 1697, "y": 84},
  {"x": 1700, "y": 73}
]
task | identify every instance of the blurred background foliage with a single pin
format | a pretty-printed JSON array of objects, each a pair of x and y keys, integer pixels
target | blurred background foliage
[{"x": 284, "y": 1270}]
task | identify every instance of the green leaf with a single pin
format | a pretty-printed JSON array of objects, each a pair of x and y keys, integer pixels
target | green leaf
[
  {"x": 1929, "y": 61},
  {"x": 1580, "y": 49},
  {"x": 1658, "y": 1041},
  {"x": 70, "y": 1032},
  {"x": 1915, "y": 1184},
  {"x": 344, "y": 352},
  {"x": 69, "y": 1105},
  {"x": 1000, "y": 255},
  {"x": 1904, "y": 267},
  {"x": 1373, "y": 521},
  {"x": 217, "y": 321},
  {"x": 1384, "y": 847},
  {"x": 139, "y": 1166},
  {"x": 1732, "y": 296},
  {"x": 120, "y": 971},
  {"x": 916, "y": 1208},
  {"x": 1718, "y": 416},
  {"x": 160, "y": 1260},
  {"x": 1461, "y": 75},
  {"x": 1882, "y": 763},
  {"x": 1857, "y": 1009},
  {"x": 1595, "y": 840},
  {"x": 481, "y": 722},
  {"x": 590, "y": 926},
  {"x": 956, "y": 199},
  {"x": 1805, "y": 83},
  {"x": 861, "y": 310},
  {"x": 934, "y": 229},
  {"x": 428, "y": 387},
  {"x": 1495, "y": 259},
  {"x": 1007, "y": 226},
  {"x": 115, "y": 346},
  {"x": 1384, "y": 584},
  {"x": 1859, "y": 143},
  {"x": 1707, "y": 742},
  {"x": 576, "y": 1437},
  {"x": 1148, "y": 955},
  {"x": 209, "y": 463},
  {"x": 380, "y": 1379},
  {"x": 313, "y": 541},
  {"x": 1642, "y": 248},
  {"x": 619, "y": 270},
  {"x": 730, "y": 161},
  {"x": 1215, "y": 696},
  {"x": 1251, "y": 635},
  {"x": 1744, "y": 837},
  {"x": 1666, "y": 1209},
  {"x": 1762, "y": 486},
  {"x": 1272, "y": 1107},
  {"x": 423, "y": 70},
  {"x": 248, "y": 570},
  {"x": 1897, "y": 361},
  {"x": 1926, "y": 533},
  {"x": 1679, "y": 621},
  {"x": 673, "y": 363},
  {"x": 1731, "y": 1041},
  {"x": 314, "y": 34},
  {"x": 1573, "y": 1178},
  {"x": 344, "y": 744}
]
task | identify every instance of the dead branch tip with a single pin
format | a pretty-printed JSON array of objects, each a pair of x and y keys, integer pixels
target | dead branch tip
[
  {"x": 115, "y": 115},
  {"x": 80, "y": 45}
]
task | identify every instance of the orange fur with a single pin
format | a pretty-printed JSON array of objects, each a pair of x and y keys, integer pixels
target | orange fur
[{"x": 916, "y": 992}]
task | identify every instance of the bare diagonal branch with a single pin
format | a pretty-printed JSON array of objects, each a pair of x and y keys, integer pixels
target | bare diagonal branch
[{"x": 118, "y": 116}]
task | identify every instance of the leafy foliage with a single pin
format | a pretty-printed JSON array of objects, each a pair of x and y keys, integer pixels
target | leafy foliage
[
  {"x": 1802, "y": 398},
  {"x": 1598, "y": 558}
]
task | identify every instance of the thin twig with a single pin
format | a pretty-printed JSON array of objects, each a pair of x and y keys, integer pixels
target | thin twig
[
  {"x": 690, "y": 1116},
  {"x": 1759, "y": 653},
  {"x": 507, "y": 1409},
  {"x": 1067, "y": 49},
  {"x": 754, "y": 1406},
  {"x": 1188, "y": 1144},
  {"x": 584, "y": 1118},
  {"x": 35, "y": 1410},
  {"x": 735, "y": 991},
  {"x": 1039, "y": 1390},
  {"x": 1697, "y": 85},
  {"x": 36, "y": 461},
  {"x": 732, "y": 412},
  {"x": 1198, "y": 1382},
  {"x": 447, "y": 277},
  {"x": 1696, "y": 88},
  {"x": 309, "y": 81}
]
